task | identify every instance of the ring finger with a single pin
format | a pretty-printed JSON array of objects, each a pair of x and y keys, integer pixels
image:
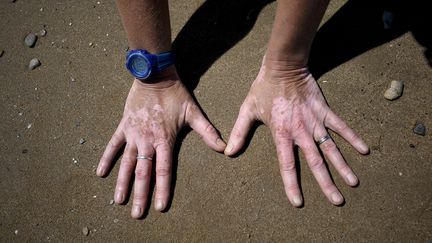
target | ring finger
[
  {"x": 142, "y": 179},
  {"x": 331, "y": 152}
]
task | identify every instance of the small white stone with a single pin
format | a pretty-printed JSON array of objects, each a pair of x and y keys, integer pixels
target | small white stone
[
  {"x": 91, "y": 44},
  {"x": 42, "y": 32},
  {"x": 85, "y": 231},
  {"x": 41, "y": 9},
  {"x": 395, "y": 90},
  {"x": 94, "y": 196},
  {"x": 400, "y": 174},
  {"x": 29, "y": 125},
  {"x": 116, "y": 221},
  {"x": 16, "y": 232},
  {"x": 111, "y": 202},
  {"x": 70, "y": 23}
]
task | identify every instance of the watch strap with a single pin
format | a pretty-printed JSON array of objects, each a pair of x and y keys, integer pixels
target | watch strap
[{"x": 164, "y": 60}]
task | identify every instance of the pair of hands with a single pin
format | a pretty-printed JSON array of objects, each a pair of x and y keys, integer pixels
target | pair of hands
[{"x": 284, "y": 97}]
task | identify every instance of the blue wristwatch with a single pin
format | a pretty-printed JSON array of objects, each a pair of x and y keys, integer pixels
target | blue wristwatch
[{"x": 142, "y": 64}]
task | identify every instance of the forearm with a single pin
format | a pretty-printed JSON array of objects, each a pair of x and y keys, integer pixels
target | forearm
[
  {"x": 147, "y": 24},
  {"x": 293, "y": 31}
]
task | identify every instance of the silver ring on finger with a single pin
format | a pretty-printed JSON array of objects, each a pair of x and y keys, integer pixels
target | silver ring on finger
[
  {"x": 323, "y": 139},
  {"x": 144, "y": 157}
]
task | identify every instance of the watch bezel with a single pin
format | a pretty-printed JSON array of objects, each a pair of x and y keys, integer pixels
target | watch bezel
[{"x": 142, "y": 75}]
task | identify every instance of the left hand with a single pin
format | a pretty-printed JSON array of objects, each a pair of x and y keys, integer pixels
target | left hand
[{"x": 287, "y": 99}]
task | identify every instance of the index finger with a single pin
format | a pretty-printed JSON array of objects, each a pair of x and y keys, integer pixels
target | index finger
[{"x": 116, "y": 142}]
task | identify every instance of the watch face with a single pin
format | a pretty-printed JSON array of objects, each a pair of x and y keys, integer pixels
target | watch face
[
  {"x": 139, "y": 66},
  {"x": 139, "y": 63}
]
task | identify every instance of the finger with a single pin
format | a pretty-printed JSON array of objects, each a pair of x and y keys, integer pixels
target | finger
[
  {"x": 115, "y": 143},
  {"x": 288, "y": 170},
  {"x": 206, "y": 130},
  {"x": 127, "y": 166},
  {"x": 142, "y": 181},
  {"x": 163, "y": 176},
  {"x": 331, "y": 151},
  {"x": 319, "y": 170},
  {"x": 336, "y": 124},
  {"x": 240, "y": 130}
]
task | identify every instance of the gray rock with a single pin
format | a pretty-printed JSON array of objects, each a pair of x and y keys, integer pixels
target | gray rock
[
  {"x": 419, "y": 129},
  {"x": 34, "y": 63},
  {"x": 82, "y": 141},
  {"x": 30, "y": 40},
  {"x": 85, "y": 231}
]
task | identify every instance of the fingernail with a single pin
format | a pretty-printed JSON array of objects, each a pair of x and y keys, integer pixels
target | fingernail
[
  {"x": 136, "y": 211},
  {"x": 118, "y": 197},
  {"x": 100, "y": 171},
  {"x": 221, "y": 143},
  {"x": 297, "y": 201},
  {"x": 159, "y": 205},
  {"x": 229, "y": 148},
  {"x": 352, "y": 179},
  {"x": 337, "y": 198}
]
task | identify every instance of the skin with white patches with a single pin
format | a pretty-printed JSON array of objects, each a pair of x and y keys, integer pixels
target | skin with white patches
[
  {"x": 153, "y": 116},
  {"x": 288, "y": 100}
]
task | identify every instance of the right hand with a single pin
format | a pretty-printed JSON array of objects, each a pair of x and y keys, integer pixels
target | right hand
[{"x": 153, "y": 115}]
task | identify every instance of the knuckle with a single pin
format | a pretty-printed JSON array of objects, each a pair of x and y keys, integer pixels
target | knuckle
[
  {"x": 328, "y": 146},
  {"x": 139, "y": 198},
  {"x": 287, "y": 167},
  {"x": 141, "y": 173},
  {"x": 291, "y": 187},
  {"x": 316, "y": 163},
  {"x": 281, "y": 131},
  {"x": 210, "y": 128},
  {"x": 354, "y": 137},
  {"x": 161, "y": 192},
  {"x": 236, "y": 133},
  {"x": 342, "y": 125},
  {"x": 163, "y": 171}
]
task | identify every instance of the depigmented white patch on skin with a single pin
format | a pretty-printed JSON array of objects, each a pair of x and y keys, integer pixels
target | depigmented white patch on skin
[{"x": 291, "y": 104}]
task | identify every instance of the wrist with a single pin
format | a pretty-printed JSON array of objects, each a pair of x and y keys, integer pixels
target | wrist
[
  {"x": 163, "y": 79},
  {"x": 284, "y": 60}
]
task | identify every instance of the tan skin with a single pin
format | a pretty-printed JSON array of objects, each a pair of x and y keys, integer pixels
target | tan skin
[{"x": 284, "y": 96}]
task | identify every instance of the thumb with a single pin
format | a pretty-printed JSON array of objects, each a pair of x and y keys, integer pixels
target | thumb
[
  {"x": 240, "y": 130},
  {"x": 205, "y": 129}
]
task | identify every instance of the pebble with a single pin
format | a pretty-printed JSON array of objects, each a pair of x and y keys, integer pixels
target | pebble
[
  {"x": 30, "y": 40},
  {"x": 116, "y": 221},
  {"x": 42, "y": 32},
  {"x": 419, "y": 129},
  {"x": 34, "y": 63},
  {"x": 82, "y": 141},
  {"x": 85, "y": 231},
  {"x": 111, "y": 202},
  {"x": 16, "y": 232},
  {"x": 395, "y": 90},
  {"x": 29, "y": 125}
]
